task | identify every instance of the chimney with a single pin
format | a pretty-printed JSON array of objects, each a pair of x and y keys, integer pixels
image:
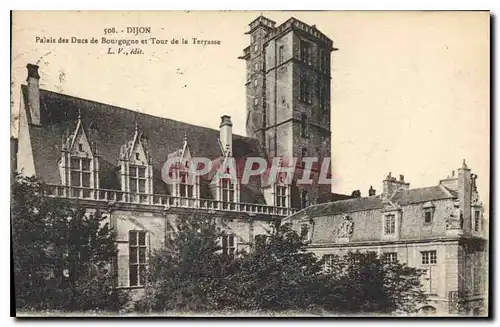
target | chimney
[
  {"x": 371, "y": 191},
  {"x": 392, "y": 185},
  {"x": 464, "y": 195},
  {"x": 226, "y": 134},
  {"x": 33, "y": 93},
  {"x": 450, "y": 182},
  {"x": 356, "y": 194}
]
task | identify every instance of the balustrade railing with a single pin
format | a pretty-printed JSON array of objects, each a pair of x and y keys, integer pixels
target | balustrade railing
[{"x": 106, "y": 195}]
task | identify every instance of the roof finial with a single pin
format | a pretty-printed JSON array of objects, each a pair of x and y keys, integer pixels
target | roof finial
[
  {"x": 185, "y": 137},
  {"x": 464, "y": 165},
  {"x": 79, "y": 114}
]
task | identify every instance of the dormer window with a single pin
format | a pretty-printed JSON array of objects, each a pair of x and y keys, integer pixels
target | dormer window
[
  {"x": 136, "y": 168},
  {"x": 185, "y": 187},
  {"x": 79, "y": 165},
  {"x": 80, "y": 173},
  {"x": 390, "y": 224},
  {"x": 228, "y": 190},
  {"x": 282, "y": 194},
  {"x": 428, "y": 213},
  {"x": 137, "y": 179}
]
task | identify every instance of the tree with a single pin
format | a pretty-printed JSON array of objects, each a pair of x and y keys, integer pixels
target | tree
[
  {"x": 62, "y": 253},
  {"x": 191, "y": 274},
  {"x": 187, "y": 273},
  {"x": 279, "y": 274},
  {"x": 365, "y": 283}
]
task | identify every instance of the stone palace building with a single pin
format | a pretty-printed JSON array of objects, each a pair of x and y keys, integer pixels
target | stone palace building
[{"x": 112, "y": 158}]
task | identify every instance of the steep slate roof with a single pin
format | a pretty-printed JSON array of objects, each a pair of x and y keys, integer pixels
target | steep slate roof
[
  {"x": 424, "y": 194},
  {"x": 338, "y": 207},
  {"x": 114, "y": 127},
  {"x": 403, "y": 197}
]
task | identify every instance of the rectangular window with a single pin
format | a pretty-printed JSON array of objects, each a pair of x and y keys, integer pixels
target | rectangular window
[
  {"x": 228, "y": 245},
  {"x": 185, "y": 187},
  {"x": 137, "y": 258},
  {"x": 281, "y": 54},
  {"x": 80, "y": 172},
  {"x": 304, "y": 230},
  {"x": 390, "y": 224},
  {"x": 429, "y": 257},
  {"x": 306, "y": 52},
  {"x": 281, "y": 195},
  {"x": 477, "y": 220},
  {"x": 303, "y": 126},
  {"x": 137, "y": 179},
  {"x": 322, "y": 63},
  {"x": 428, "y": 216},
  {"x": 305, "y": 90},
  {"x": 390, "y": 257},
  {"x": 227, "y": 188}
]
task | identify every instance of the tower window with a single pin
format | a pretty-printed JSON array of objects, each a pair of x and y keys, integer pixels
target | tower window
[
  {"x": 323, "y": 95},
  {"x": 256, "y": 48},
  {"x": 281, "y": 54},
  {"x": 255, "y": 82},
  {"x": 137, "y": 156},
  {"x": 303, "y": 126},
  {"x": 256, "y": 101},
  {"x": 305, "y": 52},
  {"x": 80, "y": 147},
  {"x": 305, "y": 90},
  {"x": 323, "y": 61},
  {"x": 256, "y": 66}
]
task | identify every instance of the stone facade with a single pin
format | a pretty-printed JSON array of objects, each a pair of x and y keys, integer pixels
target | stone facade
[
  {"x": 112, "y": 159},
  {"x": 288, "y": 93},
  {"x": 439, "y": 229}
]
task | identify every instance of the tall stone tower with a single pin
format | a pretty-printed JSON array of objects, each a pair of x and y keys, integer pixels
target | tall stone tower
[{"x": 288, "y": 89}]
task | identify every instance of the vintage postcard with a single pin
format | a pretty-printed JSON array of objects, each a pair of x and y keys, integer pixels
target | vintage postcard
[{"x": 245, "y": 163}]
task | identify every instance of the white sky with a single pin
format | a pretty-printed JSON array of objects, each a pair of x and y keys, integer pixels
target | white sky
[{"x": 410, "y": 90}]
